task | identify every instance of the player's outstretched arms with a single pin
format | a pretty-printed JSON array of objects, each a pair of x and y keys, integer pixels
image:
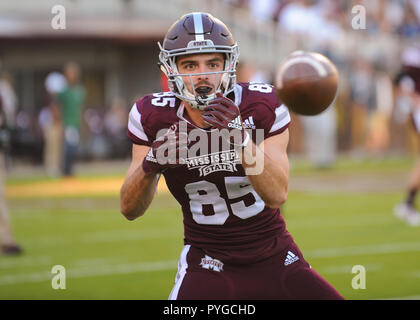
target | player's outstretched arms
[
  {"x": 138, "y": 188},
  {"x": 272, "y": 184}
]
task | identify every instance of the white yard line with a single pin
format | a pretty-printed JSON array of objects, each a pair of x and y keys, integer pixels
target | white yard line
[
  {"x": 354, "y": 222},
  {"x": 93, "y": 271},
  {"x": 417, "y": 297},
  {"x": 363, "y": 250},
  {"x": 123, "y": 235},
  {"x": 416, "y": 274},
  {"x": 347, "y": 268},
  {"x": 100, "y": 237},
  {"x": 309, "y": 254},
  {"x": 103, "y": 269},
  {"x": 24, "y": 261}
]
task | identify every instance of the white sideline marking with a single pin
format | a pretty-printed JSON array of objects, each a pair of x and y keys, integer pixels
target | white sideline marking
[
  {"x": 401, "y": 298},
  {"x": 363, "y": 222},
  {"x": 25, "y": 261},
  {"x": 101, "y": 270},
  {"x": 343, "y": 269},
  {"x": 93, "y": 271},
  {"x": 123, "y": 235},
  {"x": 363, "y": 250},
  {"x": 100, "y": 237}
]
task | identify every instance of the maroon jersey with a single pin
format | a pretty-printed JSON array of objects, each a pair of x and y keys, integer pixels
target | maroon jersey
[{"x": 223, "y": 214}]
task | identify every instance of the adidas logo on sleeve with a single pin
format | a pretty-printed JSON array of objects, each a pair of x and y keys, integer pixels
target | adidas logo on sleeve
[{"x": 290, "y": 258}]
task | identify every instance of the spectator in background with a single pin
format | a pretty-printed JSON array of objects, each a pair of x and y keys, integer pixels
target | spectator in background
[
  {"x": 410, "y": 27},
  {"x": 362, "y": 99},
  {"x": 299, "y": 17},
  {"x": 71, "y": 101},
  {"x": 49, "y": 120},
  {"x": 98, "y": 145},
  {"x": 320, "y": 134},
  {"x": 262, "y": 10},
  {"x": 394, "y": 12},
  {"x": 409, "y": 83},
  {"x": 310, "y": 25},
  {"x": 115, "y": 123},
  {"x": 415, "y": 5},
  {"x": 7, "y": 118},
  {"x": 378, "y": 127}
]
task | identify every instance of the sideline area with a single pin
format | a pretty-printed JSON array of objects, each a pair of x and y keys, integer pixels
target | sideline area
[
  {"x": 91, "y": 179},
  {"x": 105, "y": 178}
]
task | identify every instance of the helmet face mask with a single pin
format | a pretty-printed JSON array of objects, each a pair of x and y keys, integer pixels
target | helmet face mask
[{"x": 185, "y": 42}]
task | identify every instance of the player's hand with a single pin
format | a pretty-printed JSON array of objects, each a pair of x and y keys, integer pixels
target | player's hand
[
  {"x": 223, "y": 113},
  {"x": 168, "y": 151}
]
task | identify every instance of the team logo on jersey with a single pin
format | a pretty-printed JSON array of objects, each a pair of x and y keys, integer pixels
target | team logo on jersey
[
  {"x": 214, "y": 162},
  {"x": 211, "y": 264},
  {"x": 200, "y": 43}
]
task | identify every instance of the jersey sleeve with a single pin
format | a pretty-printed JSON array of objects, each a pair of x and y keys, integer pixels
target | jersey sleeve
[
  {"x": 279, "y": 121},
  {"x": 263, "y": 111},
  {"x": 137, "y": 130}
]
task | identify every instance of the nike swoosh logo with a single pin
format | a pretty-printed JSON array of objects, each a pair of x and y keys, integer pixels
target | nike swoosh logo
[{"x": 244, "y": 185}]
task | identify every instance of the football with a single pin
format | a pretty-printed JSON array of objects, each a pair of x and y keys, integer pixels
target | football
[{"x": 307, "y": 82}]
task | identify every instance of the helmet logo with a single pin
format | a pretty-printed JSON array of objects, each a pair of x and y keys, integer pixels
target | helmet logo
[{"x": 200, "y": 43}]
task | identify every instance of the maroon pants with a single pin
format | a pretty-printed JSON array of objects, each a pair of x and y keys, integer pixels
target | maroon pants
[{"x": 284, "y": 276}]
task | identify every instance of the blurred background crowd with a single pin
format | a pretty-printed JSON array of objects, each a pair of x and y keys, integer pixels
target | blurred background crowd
[{"x": 112, "y": 45}]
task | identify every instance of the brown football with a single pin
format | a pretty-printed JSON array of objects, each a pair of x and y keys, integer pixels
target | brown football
[{"x": 306, "y": 82}]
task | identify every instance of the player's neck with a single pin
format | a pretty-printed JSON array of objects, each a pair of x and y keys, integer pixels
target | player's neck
[{"x": 195, "y": 116}]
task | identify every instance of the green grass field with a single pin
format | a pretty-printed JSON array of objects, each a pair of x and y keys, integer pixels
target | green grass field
[{"x": 108, "y": 257}]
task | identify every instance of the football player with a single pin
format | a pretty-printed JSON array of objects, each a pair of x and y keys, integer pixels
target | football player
[{"x": 236, "y": 242}]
